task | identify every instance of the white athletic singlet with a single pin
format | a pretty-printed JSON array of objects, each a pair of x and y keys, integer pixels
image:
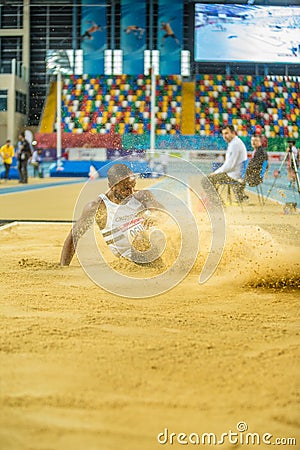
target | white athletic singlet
[{"x": 122, "y": 225}]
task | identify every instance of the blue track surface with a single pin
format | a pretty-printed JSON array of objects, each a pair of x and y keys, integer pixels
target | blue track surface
[
  {"x": 32, "y": 187},
  {"x": 281, "y": 192}
]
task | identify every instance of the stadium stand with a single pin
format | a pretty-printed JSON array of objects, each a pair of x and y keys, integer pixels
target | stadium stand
[
  {"x": 247, "y": 101},
  {"x": 120, "y": 104}
]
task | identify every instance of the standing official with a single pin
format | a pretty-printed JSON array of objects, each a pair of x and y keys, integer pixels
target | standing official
[
  {"x": 7, "y": 154},
  {"x": 23, "y": 157}
]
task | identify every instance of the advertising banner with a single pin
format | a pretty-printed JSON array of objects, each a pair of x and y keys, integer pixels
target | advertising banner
[
  {"x": 133, "y": 36},
  {"x": 93, "y": 36},
  {"x": 170, "y": 35}
]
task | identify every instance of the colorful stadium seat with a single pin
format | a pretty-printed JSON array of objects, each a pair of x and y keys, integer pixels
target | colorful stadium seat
[
  {"x": 121, "y": 104},
  {"x": 271, "y": 102}
]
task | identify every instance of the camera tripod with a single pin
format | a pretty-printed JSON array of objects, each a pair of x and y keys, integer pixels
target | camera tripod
[{"x": 293, "y": 167}]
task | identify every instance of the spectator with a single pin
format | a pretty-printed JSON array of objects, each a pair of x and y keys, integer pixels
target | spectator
[
  {"x": 292, "y": 162},
  {"x": 7, "y": 154},
  {"x": 164, "y": 160},
  {"x": 255, "y": 164},
  {"x": 36, "y": 161},
  {"x": 295, "y": 152}
]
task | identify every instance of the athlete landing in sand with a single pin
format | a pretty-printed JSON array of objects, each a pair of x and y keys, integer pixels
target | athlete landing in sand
[{"x": 122, "y": 215}]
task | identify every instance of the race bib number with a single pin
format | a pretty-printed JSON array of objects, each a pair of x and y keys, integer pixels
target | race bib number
[{"x": 133, "y": 228}]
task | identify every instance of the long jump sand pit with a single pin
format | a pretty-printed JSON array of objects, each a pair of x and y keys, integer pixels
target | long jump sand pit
[{"x": 83, "y": 369}]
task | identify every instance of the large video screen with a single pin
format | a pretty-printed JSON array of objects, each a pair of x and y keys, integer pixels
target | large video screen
[{"x": 247, "y": 33}]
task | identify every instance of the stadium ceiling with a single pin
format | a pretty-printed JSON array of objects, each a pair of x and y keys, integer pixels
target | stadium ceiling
[
  {"x": 103, "y": 2},
  {"x": 255, "y": 2},
  {"x": 54, "y": 2}
]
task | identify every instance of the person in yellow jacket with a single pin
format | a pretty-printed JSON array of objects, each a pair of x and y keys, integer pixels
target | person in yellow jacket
[{"x": 7, "y": 152}]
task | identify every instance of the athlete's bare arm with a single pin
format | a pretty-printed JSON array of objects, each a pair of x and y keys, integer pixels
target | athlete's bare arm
[
  {"x": 150, "y": 203},
  {"x": 95, "y": 210}
]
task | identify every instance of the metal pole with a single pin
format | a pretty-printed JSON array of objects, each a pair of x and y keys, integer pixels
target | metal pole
[
  {"x": 74, "y": 35},
  {"x": 151, "y": 26},
  {"x": 113, "y": 21},
  {"x": 295, "y": 167},
  {"x": 152, "y": 119},
  {"x": 13, "y": 66},
  {"x": 58, "y": 119},
  {"x": 279, "y": 172}
]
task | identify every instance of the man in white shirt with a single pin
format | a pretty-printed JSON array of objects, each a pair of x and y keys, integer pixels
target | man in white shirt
[{"x": 232, "y": 168}]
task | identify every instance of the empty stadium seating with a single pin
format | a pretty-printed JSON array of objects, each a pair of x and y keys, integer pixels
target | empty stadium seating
[
  {"x": 120, "y": 104},
  {"x": 248, "y": 102}
]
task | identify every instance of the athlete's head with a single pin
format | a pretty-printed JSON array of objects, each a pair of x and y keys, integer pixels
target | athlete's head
[
  {"x": 228, "y": 133},
  {"x": 121, "y": 181}
]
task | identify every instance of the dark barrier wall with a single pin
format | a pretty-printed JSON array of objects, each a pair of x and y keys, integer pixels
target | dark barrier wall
[
  {"x": 70, "y": 140},
  {"x": 138, "y": 143},
  {"x": 170, "y": 26},
  {"x": 133, "y": 35},
  {"x": 93, "y": 36}
]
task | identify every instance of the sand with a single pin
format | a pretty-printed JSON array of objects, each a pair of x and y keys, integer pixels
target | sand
[{"x": 83, "y": 369}]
